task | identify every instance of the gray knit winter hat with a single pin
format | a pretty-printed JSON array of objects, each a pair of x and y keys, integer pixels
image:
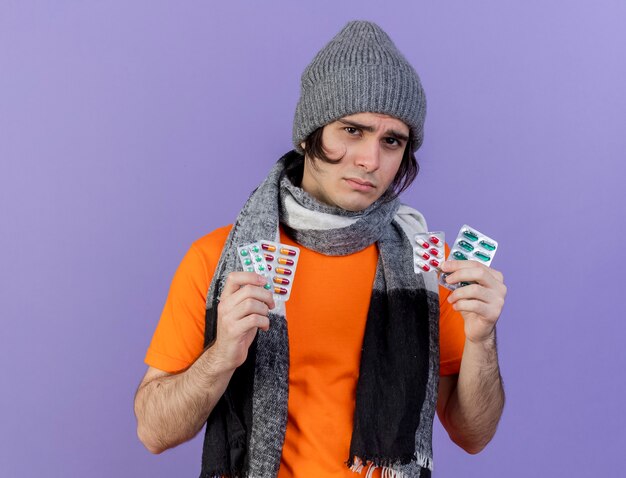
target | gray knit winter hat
[{"x": 359, "y": 70}]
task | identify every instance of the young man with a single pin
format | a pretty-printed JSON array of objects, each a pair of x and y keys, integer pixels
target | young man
[{"x": 346, "y": 376}]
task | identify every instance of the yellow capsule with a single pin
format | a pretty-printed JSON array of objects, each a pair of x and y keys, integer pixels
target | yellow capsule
[
  {"x": 287, "y": 252},
  {"x": 268, "y": 247},
  {"x": 280, "y": 290},
  {"x": 281, "y": 280},
  {"x": 283, "y": 270},
  {"x": 284, "y": 261}
]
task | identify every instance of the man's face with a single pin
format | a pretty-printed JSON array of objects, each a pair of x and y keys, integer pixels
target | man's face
[{"x": 371, "y": 146}]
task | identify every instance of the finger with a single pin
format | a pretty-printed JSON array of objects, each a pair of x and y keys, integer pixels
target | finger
[
  {"x": 236, "y": 280},
  {"x": 250, "y": 306},
  {"x": 476, "y": 306},
  {"x": 481, "y": 275},
  {"x": 454, "y": 265},
  {"x": 255, "y": 320},
  {"x": 497, "y": 275},
  {"x": 255, "y": 292},
  {"x": 471, "y": 292}
]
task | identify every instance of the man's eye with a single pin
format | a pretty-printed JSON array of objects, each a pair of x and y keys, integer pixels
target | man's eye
[
  {"x": 351, "y": 130},
  {"x": 392, "y": 141}
]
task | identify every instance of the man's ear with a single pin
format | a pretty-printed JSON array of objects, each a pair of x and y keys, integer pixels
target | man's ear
[{"x": 302, "y": 145}]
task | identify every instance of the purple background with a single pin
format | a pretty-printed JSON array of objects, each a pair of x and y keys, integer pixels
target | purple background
[{"x": 130, "y": 129}]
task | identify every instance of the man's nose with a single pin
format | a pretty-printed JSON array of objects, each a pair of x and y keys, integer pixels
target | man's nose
[{"x": 368, "y": 156}]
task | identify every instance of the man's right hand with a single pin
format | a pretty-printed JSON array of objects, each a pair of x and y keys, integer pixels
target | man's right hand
[
  {"x": 172, "y": 408},
  {"x": 243, "y": 309}
]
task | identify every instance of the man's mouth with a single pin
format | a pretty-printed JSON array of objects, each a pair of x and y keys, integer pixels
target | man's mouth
[{"x": 360, "y": 184}]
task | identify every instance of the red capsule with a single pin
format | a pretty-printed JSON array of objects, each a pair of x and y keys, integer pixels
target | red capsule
[
  {"x": 283, "y": 270},
  {"x": 287, "y": 252},
  {"x": 269, "y": 267},
  {"x": 268, "y": 247},
  {"x": 281, "y": 280},
  {"x": 435, "y": 240},
  {"x": 434, "y": 252},
  {"x": 434, "y": 263},
  {"x": 425, "y": 267},
  {"x": 280, "y": 290},
  {"x": 425, "y": 255},
  {"x": 425, "y": 245},
  {"x": 285, "y": 262},
  {"x": 269, "y": 257}
]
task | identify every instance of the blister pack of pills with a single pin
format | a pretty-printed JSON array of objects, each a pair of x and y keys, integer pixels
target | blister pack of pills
[
  {"x": 428, "y": 251},
  {"x": 470, "y": 245},
  {"x": 277, "y": 262}
]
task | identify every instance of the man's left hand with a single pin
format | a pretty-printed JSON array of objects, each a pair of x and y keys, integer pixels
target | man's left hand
[{"x": 480, "y": 303}]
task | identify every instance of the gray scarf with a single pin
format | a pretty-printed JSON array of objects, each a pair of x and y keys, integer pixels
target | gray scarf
[{"x": 399, "y": 370}]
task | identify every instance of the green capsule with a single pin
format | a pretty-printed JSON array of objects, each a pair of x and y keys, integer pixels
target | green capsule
[
  {"x": 258, "y": 258},
  {"x": 470, "y": 235},
  {"x": 488, "y": 245},
  {"x": 267, "y": 286},
  {"x": 459, "y": 256},
  {"x": 261, "y": 268},
  {"x": 255, "y": 248},
  {"x": 250, "y": 269},
  {"x": 244, "y": 253},
  {"x": 482, "y": 256},
  {"x": 466, "y": 245},
  {"x": 247, "y": 262}
]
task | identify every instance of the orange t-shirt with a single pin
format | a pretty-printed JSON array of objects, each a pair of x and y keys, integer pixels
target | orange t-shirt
[{"x": 326, "y": 317}]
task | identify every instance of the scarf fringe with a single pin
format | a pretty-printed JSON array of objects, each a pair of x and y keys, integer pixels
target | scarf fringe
[
  {"x": 217, "y": 474},
  {"x": 386, "y": 465}
]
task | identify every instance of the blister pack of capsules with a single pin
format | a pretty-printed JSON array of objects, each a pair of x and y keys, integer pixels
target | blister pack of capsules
[
  {"x": 428, "y": 251},
  {"x": 470, "y": 245},
  {"x": 277, "y": 262}
]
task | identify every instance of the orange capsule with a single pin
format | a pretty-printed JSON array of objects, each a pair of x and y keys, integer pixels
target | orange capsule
[
  {"x": 269, "y": 257},
  {"x": 268, "y": 247},
  {"x": 283, "y": 270},
  {"x": 281, "y": 280},
  {"x": 287, "y": 252},
  {"x": 280, "y": 290},
  {"x": 284, "y": 261}
]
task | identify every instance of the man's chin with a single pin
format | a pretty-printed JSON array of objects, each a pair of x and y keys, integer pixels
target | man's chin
[{"x": 356, "y": 206}]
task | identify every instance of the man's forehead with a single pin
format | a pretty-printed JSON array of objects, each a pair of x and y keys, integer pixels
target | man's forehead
[{"x": 374, "y": 119}]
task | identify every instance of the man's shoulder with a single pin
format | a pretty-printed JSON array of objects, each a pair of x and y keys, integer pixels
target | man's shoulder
[
  {"x": 411, "y": 219},
  {"x": 212, "y": 243}
]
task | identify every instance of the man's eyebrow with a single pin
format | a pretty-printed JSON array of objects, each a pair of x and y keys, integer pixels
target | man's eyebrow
[{"x": 370, "y": 129}]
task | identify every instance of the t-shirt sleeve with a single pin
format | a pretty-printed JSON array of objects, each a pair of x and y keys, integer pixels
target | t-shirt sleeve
[
  {"x": 451, "y": 334},
  {"x": 179, "y": 337}
]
